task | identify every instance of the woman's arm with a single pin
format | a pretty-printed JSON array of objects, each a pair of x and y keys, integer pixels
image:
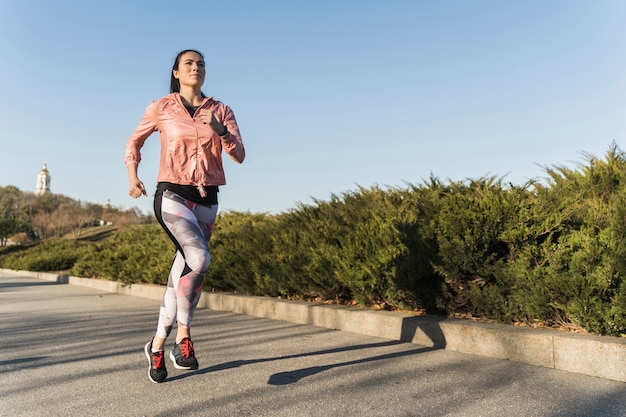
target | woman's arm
[{"x": 132, "y": 157}]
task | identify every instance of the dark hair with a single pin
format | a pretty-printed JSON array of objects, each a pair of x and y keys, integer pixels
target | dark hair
[{"x": 174, "y": 83}]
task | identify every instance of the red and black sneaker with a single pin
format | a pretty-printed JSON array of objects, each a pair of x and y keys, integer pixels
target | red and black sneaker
[
  {"x": 183, "y": 355},
  {"x": 156, "y": 368}
]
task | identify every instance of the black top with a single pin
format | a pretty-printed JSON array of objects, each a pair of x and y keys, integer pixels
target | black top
[
  {"x": 190, "y": 192},
  {"x": 191, "y": 109}
]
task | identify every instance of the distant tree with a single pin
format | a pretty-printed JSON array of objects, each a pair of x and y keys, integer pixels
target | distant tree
[
  {"x": 21, "y": 238},
  {"x": 8, "y": 227},
  {"x": 71, "y": 217},
  {"x": 9, "y": 219},
  {"x": 95, "y": 210},
  {"x": 124, "y": 218},
  {"x": 42, "y": 225},
  {"x": 54, "y": 215}
]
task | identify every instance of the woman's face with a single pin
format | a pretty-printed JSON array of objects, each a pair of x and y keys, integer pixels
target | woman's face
[{"x": 191, "y": 70}]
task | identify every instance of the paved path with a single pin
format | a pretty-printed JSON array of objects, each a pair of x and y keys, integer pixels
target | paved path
[{"x": 74, "y": 351}]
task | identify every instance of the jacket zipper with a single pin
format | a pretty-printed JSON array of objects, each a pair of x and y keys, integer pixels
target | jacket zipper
[{"x": 200, "y": 187}]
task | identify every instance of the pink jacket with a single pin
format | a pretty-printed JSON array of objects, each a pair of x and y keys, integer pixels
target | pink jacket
[{"x": 191, "y": 152}]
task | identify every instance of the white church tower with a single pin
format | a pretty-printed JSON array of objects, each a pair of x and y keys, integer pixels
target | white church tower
[{"x": 43, "y": 181}]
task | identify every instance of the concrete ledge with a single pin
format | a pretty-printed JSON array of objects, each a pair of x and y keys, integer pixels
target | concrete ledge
[
  {"x": 46, "y": 276},
  {"x": 599, "y": 356},
  {"x": 535, "y": 347},
  {"x": 591, "y": 355}
]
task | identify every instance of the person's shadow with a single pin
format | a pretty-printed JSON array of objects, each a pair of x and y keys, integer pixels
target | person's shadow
[{"x": 410, "y": 325}]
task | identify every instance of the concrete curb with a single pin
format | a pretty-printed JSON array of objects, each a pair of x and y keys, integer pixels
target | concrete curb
[{"x": 599, "y": 356}]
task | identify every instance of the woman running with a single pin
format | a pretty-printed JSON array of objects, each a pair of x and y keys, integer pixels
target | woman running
[{"x": 194, "y": 130}]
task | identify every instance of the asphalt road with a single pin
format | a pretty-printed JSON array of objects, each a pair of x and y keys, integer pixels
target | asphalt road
[{"x": 75, "y": 351}]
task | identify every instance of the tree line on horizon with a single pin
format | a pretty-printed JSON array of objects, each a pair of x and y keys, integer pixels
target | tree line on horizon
[{"x": 26, "y": 217}]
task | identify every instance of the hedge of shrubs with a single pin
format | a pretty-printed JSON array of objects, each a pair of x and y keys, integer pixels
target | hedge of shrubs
[{"x": 550, "y": 251}]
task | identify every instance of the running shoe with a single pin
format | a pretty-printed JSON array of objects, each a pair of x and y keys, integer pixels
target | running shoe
[
  {"x": 183, "y": 355},
  {"x": 156, "y": 368}
]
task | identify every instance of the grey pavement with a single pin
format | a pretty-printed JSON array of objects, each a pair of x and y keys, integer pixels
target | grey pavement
[{"x": 69, "y": 350}]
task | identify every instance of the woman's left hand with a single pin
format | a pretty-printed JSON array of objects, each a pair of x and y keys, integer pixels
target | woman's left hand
[{"x": 208, "y": 118}]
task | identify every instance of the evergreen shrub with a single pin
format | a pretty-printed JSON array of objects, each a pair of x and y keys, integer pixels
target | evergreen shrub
[
  {"x": 550, "y": 251},
  {"x": 140, "y": 253},
  {"x": 55, "y": 255}
]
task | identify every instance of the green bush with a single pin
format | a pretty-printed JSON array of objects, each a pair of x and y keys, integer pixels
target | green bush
[
  {"x": 140, "y": 253},
  {"x": 565, "y": 255},
  {"x": 240, "y": 252},
  {"x": 55, "y": 255},
  {"x": 583, "y": 267},
  {"x": 357, "y": 237},
  {"x": 552, "y": 251},
  {"x": 471, "y": 253}
]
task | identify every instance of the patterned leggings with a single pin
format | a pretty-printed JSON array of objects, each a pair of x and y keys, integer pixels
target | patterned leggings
[{"x": 189, "y": 225}]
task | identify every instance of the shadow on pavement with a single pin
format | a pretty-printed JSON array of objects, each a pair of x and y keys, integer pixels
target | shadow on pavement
[
  {"x": 284, "y": 378},
  {"x": 28, "y": 284},
  {"x": 22, "y": 360}
]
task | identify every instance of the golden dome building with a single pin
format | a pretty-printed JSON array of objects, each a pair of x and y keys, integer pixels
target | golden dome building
[{"x": 43, "y": 181}]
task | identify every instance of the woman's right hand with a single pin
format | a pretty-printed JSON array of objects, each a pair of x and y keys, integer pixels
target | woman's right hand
[{"x": 137, "y": 189}]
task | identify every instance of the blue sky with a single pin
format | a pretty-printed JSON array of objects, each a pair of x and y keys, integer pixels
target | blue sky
[{"x": 329, "y": 95}]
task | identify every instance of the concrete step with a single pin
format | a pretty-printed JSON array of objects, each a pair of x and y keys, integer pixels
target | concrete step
[{"x": 599, "y": 356}]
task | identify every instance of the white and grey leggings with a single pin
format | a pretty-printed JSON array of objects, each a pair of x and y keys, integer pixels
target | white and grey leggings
[{"x": 189, "y": 225}]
